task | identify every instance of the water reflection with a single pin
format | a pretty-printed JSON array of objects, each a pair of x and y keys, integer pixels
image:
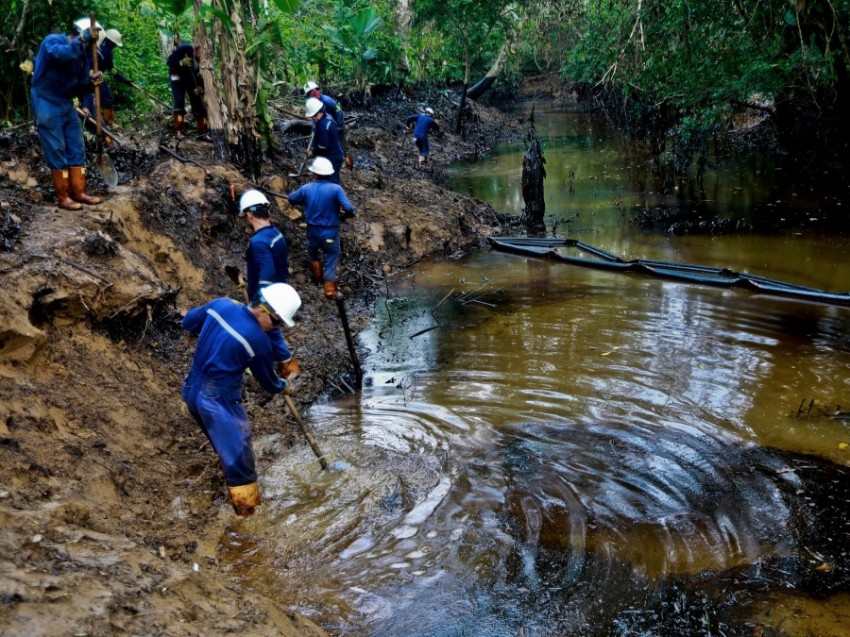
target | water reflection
[{"x": 545, "y": 450}]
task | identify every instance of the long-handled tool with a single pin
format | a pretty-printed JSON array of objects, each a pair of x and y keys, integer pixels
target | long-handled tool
[
  {"x": 103, "y": 163},
  {"x": 306, "y": 156},
  {"x": 153, "y": 98},
  {"x": 355, "y": 361},
  {"x": 306, "y": 431},
  {"x": 236, "y": 276}
]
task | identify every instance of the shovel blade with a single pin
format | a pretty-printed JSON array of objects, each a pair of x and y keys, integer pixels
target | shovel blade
[{"x": 106, "y": 169}]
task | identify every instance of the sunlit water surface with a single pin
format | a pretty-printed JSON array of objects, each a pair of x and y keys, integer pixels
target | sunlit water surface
[{"x": 547, "y": 450}]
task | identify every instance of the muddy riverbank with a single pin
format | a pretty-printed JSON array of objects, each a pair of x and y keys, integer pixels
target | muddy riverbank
[{"x": 112, "y": 503}]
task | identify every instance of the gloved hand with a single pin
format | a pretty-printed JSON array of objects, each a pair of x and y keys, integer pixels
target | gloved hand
[
  {"x": 186, "y": 61},
  {"x": 309, "y": 153},
  {"x": 86, "y": 35},
  {"x": 344, "y": 215},
  {"x": 27, "y": 66},
  {"x": 287, "y": 389},
  {"x": 289, "y": 370},
  {"x": 86, "y": 111},
  {"x": 199, "y": 91},
  {"x": 96, "y": 78}
]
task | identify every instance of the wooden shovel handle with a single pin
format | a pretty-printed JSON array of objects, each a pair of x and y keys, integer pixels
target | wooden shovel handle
[{"x": 93, "y": 32}]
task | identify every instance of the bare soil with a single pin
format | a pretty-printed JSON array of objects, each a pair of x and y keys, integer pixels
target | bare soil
[{"x": 112, "y": 503}]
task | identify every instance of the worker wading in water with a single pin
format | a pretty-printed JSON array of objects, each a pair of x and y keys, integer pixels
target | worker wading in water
[
  {"x": 325, "y": 205},
  {"x": 233, "y": 338},
  {"x": 325, "y": 137},
  {"x": 60, "y": 74},
  {"x": 184, "y": 71}
]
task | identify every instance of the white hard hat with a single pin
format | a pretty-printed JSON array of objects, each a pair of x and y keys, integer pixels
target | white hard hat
[
  {"x": 322, "y": 166},
  {"x": 84, "y": 23},
  {"x": 429, "y": 110},
  {"x": 309, "y": 86},
  {"x": 312, "y": 106},
  {"x": 115, "y": 36},
  {"x": 251, "y": 198},
  {"x": 283, "y": 299}
]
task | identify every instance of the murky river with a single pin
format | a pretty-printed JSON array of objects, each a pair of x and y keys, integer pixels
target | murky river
[{"x": 548, "y": 450}]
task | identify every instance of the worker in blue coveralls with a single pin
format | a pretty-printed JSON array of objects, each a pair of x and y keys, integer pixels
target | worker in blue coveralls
[
  {"x": 332, "y": 108},
  {"x": 267, "y": 262},
  {"x": 184, "y": 71},
  {"x": 325, "y": 205},
  {"x": 233, "y": 338},
  {"x": 421, "y": 125},
  {"x": 267, "y": 257},
  {"x": 325, "y": 137},
  {"x": 106, "y": 64},
  {"x": 60, "y": 74}
]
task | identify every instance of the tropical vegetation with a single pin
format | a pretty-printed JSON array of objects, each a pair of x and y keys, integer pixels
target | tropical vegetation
[{"x": 672, "y": 66}]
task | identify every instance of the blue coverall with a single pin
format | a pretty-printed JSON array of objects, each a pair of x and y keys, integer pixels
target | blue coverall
[
  {"x": 61, "y": 73},
  {"x": 326, "y": 144},
  {"x": 333, "y": 109},
  {"x": 423, "y": 124},
  {"x": 231, "y": 341},
  {"x": 106, "y": 64},
  {"x": 185, "y": 79},
  {"x": 324, "y": 202},
  {"x": 267, "y": 260}
]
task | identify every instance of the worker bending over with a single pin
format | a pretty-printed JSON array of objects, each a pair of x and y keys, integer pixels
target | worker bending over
[{"x": 233, "y": 338}]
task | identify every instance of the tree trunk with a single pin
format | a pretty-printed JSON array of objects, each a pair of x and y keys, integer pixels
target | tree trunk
[
  {"x": 229, "y": 87},
  {"x": 495, "y": 70},
  {"x": 404, "y": 24},
  {"x": 212, "y": 90},
  {"x": 533, "y": 176}
]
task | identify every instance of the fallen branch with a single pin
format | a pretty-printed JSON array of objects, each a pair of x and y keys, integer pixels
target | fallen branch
[{"x": 185, "y": 160}]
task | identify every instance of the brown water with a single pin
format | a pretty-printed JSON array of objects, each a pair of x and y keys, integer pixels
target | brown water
[{"x": 575, "y": 452}]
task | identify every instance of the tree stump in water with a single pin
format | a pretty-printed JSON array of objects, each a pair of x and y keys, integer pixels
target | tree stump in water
[{"x": 533, "y": 174}]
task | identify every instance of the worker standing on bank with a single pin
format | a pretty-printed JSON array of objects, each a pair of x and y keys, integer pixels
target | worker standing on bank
[
  {"x": 325, "y": 137},
  {"x": 267, "y": 262},
  {"x": 422, "y": 124},
  {"x": 325, "y": 205},
  {"x": 267, "y": 257},
  {"x": 60, "y": 74},
  {"x": 184, "y": 72},
  {"x": 232, "y": 339},
  {"x": 332, "y": 108},
  {"x": 106, "y": 64}
]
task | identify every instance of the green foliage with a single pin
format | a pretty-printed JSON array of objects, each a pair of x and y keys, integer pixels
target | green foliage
[
  {"x": 700, "y": 59},
  {"x": 472, "y": 32},
  {"x": 353, "y": 38}
]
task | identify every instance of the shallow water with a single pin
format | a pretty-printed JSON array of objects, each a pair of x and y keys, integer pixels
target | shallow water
[{"x": 547, "y": 450}]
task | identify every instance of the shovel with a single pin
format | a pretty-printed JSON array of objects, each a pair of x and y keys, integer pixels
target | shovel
[
  {"x": 306, "y": 154},
  {"x": 103, "y": 163}
]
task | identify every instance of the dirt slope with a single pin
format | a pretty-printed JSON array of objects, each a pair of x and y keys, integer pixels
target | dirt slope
[{"x": 111, "y": 501}]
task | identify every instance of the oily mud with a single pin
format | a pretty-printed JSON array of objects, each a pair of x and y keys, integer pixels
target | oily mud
[{"x": 112, "y": 502}]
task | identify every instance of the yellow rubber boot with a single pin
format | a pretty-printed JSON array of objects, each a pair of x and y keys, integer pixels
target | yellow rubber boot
[{"x": 245, "y": 498}]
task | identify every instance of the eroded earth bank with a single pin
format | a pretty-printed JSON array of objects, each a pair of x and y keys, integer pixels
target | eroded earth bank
[{"x": 112, "y": 504}]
